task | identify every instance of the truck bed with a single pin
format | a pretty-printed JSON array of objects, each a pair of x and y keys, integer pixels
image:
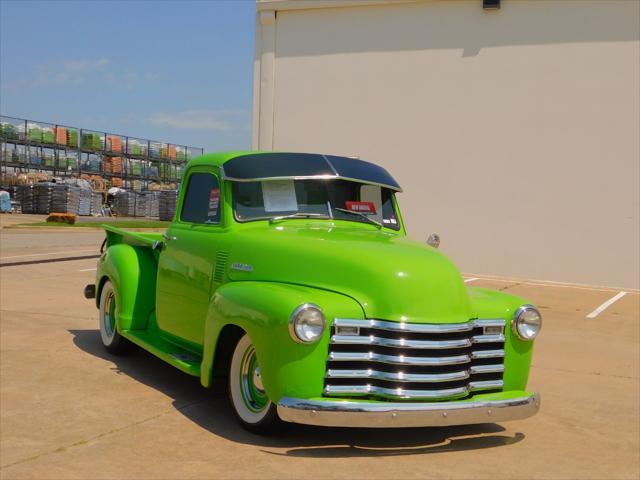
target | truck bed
[{"x": 117, "y": 235}]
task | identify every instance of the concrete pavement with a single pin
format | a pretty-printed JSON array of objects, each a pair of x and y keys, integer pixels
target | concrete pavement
[{"x": 70, "y": 410}]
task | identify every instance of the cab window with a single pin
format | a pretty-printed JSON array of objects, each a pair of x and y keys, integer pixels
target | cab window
[{"x": 202, "y": 199}]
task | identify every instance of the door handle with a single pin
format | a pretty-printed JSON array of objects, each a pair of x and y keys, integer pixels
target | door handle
[{"x": 168, "y": 238}]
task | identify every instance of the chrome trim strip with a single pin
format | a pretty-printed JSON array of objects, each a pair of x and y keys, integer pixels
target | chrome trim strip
[
  {"x": 398, "y": 342},
  {"x": 403, "y": 327},
  {"x": 489, "y": 322},
  {"x": 485, "y": 385},
  {"x": 477, "y": 369},
  {"x": 488, "y": 338},
  {"x": 417, "y": 344},
  {"x": 398, "y": 376},
  {"x": 404, "y": 360},
  {"x": 396, "y": 359},
  {"x": 418, "y": 327},
  {"x": 487, "y": 354},
  {"x": 363, "y": 390},
  {"x": 344, "y": 413}
]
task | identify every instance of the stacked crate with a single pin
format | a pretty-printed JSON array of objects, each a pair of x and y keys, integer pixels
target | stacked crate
[
  {"x": 43, "y": 197},
  {"x": 65, "y": 198},
  {"x": 167, "y": 204},
  {"x": 124, "y": 204},
  {"x": 72, "y": 138},
  {"x": 96, "y": 203},
  {"x": 139, "y": 205},
  {"x": 48, "y": 135},
  {"x": 25, "y": 195},
  {"x": 61, "y": 135},
  {"x": 153, "y": 205}
]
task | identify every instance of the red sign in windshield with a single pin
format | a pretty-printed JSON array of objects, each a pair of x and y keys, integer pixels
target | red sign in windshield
[{"x": 368, "y": 208}]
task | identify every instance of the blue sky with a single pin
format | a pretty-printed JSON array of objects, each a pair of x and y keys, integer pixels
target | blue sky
[{"x": 176, "y": 71}]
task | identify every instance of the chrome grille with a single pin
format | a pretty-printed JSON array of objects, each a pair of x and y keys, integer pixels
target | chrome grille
[{"x": 394, "y": 360}]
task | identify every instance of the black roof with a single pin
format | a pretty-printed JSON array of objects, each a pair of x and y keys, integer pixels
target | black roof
[{"x": 276, "y": 166}]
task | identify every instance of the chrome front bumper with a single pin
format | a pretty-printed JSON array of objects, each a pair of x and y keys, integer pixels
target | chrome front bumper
[{"x": 345, "y": 413}]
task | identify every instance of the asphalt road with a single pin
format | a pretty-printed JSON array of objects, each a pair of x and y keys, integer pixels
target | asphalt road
[{"x": 70, "y": 410}]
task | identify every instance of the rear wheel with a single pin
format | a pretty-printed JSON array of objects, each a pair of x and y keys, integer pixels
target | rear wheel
[
  {"x": 250, "y": 403},
  {"x": 111, "y": 339}
]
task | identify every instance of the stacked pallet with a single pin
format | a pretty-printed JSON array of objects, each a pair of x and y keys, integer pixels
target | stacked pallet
[
  {"x": 139, "y": 205},
  {"x": 96, "y": 203},
  {"x": 167, "y": 204},
  {"x": 61, "y": 135},
  {"x": 8, "y": 131},
  {"x": 47, "y": 135},
  {"x": 84, "y": 204},
  {"x": 43, "y": 197},
  {"x": 92, "y": 141},
  {"x": 65, "y": 198},
  {"x": 112, "y": 165},
  {"x": 117, "y": 182},
  {"x": 153, "y": 205},
  {"x": 72, "y": 137},
  {"x": 114, "y": 143},
  {"x": 34, "y": 132},
  {"x": 124, "y": 204},
  {"x": 25, "y": 195}
]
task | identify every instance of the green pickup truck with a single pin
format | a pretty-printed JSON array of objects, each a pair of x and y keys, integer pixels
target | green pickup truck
[{"x": 291, "y": 277}]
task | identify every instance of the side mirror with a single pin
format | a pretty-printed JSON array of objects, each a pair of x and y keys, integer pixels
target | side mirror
[{"x": 434, "y": 240}]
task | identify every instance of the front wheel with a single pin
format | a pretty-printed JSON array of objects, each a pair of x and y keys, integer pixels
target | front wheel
[
  {"x": 111, "y": 339},
  {"x": 250, "y": 403}
]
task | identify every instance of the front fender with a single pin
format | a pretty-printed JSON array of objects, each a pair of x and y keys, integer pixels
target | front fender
[
  {"x": 262, "y": 309},
  {"x": 132, "y": 271}
]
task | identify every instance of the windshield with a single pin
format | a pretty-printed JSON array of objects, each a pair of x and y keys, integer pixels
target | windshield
[{"x": 338, "y": 199}]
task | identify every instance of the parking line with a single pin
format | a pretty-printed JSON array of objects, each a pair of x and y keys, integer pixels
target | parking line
[
  {"x": 606, "y": 304},
  {"x": 48, "y": 253},
  {"x": 473, "y": 279},
  {"x": 88, "y": 270}
]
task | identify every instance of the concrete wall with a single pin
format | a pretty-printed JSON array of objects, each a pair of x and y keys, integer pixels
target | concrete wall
[{"x": 514, "y": 133}]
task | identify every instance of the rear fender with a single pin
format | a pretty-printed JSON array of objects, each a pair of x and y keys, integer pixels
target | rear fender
[
  {"x": 132, "y": 270},
  {"x": 263, "y": 309}
]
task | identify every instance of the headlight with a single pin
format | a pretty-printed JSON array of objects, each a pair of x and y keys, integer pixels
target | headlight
[
  {"x": 527, "y": 322},
  {"x": 306, "y": 324}
]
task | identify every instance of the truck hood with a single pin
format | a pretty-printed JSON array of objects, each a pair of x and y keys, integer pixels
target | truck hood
[{"x": 391, "y": 276}]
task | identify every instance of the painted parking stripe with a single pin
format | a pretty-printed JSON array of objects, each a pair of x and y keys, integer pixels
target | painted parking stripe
[
  {"x": 552, "y": 284},
  {"x": 470, "y": 280},
  {"x": 46, "y": 260},
  {"x": 48, "y": 253},
  {"x": 606, "y": 305},
  {"x": 87, "y": 270}
]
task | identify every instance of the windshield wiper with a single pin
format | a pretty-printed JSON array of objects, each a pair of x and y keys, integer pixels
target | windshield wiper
[
  {"x": 370, "y": 220},
  {"x": 298, "y": 215}
]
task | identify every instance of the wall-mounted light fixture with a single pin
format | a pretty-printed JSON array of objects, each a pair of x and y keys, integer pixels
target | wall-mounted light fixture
[{"x": 491, "y": 4}]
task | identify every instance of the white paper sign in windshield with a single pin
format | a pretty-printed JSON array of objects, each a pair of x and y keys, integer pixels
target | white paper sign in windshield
[{"x": 279, "y": 196}]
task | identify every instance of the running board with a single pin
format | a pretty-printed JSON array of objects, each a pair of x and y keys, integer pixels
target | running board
[{"x": 180, "y": 358}]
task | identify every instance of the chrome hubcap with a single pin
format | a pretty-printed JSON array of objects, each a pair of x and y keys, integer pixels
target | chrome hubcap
[
  {"x": 109, "y": 314},
  {"x": 257, "y": 380},
  {"x": 251, "y": 386}
]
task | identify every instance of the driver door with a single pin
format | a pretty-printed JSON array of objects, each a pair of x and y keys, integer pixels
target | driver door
[{"x": 187, "y": 261}]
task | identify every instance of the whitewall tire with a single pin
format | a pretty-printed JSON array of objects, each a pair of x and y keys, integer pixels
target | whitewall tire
[
  {"x": 250, "y": 403},
  {"x": 111, "y": 339}
]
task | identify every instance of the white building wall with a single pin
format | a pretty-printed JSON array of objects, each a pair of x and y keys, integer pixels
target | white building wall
[{"x": 514, "y": 133}]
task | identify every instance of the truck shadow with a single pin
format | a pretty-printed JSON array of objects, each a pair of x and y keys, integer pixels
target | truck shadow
[{"x": 210, "y": 410}]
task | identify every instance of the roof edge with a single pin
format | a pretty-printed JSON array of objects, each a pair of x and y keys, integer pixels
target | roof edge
[{"x": 279, "y": 5}]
